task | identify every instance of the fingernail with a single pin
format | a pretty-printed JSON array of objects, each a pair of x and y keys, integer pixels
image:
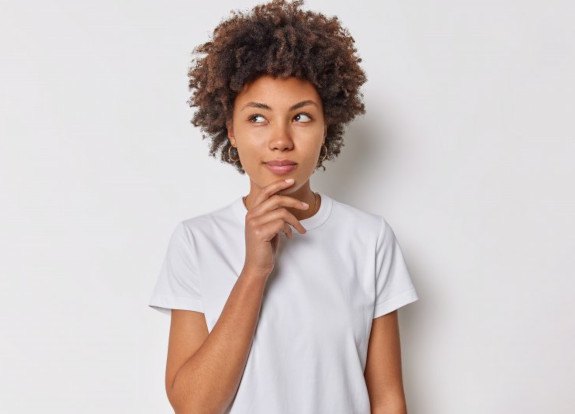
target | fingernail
[
  {"x": 304, "y": 204},
  {"x": 289, "y": 180}
]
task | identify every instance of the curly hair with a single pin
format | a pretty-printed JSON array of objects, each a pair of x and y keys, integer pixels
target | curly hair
[{"x": 277, "y": 39}]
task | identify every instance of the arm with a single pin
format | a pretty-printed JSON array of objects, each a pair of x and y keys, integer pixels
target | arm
[
  {"x": 208, "y": 380},
  {"x": 383, "y": 367}
]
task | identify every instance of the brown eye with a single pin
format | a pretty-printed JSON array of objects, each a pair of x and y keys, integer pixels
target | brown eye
[
  {"x": 305, "y": 115},
  {"x": 253, "y": 117}
]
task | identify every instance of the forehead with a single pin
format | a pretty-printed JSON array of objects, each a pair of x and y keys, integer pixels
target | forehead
[{"x": 267, "y": 89}]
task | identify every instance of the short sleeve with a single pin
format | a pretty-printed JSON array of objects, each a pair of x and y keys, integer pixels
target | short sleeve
[
  {"x": 393, "y": 284},
  {"x": 178, "y": 283}
]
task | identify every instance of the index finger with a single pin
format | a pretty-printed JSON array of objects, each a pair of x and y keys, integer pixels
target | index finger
[{"x": 273, "y": 188}]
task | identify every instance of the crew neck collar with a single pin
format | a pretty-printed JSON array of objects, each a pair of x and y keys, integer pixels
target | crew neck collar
[{"x": 309, "y": 223}]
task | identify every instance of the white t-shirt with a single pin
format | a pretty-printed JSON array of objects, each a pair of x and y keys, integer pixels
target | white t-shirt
[{"x": 310, "y": 347}]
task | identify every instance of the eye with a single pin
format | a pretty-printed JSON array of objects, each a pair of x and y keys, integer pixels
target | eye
[
  {"x": 251, "y": 118},
  {"x": 305, "y": 115}
]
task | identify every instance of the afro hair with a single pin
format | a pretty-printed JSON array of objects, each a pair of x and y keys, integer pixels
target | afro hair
[{"x": 281, "y": 40}]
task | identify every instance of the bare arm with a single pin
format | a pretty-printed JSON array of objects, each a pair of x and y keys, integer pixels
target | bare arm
[
  {"x": 208, "y": 380},
  {"x": 383, "y": 367}
]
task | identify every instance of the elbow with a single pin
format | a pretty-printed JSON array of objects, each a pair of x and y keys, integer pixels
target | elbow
[
  {"x": 195, "y": 409},
  {"x": 187, "y": 407},
  {"x": 190, "y": 404},
  {"x": 181, "y": 404},
  {"x": 394, "y": 406}
]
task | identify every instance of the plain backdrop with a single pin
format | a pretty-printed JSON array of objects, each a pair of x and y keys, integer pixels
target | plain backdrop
[{"x": 467, "y": 148}]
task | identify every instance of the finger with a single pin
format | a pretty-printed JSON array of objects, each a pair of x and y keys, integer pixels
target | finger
[
  {"x": 286, "y": 229},
  {"x": 271, "y": 229},
  {"x": 272, "y": 189},
  {"x": 280, "y": 214},
  {"x": 277, "y": 202}
]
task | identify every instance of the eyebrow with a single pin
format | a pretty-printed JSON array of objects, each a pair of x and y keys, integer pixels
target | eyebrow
[{"x": 265, "y": 106}]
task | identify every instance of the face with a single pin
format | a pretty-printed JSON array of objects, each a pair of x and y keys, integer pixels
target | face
[{"x": 277, "y": 119}]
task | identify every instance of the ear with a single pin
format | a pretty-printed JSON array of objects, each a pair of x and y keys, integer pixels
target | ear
[{"x": 230, "y": 128}]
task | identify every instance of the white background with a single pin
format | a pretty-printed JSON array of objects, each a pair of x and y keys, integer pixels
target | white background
[{"x": 467, "y": 148}]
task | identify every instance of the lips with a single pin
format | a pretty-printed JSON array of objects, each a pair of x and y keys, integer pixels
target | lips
[
  {"x": 281, "y": 167},
  {"x": 279, "y": 163}
]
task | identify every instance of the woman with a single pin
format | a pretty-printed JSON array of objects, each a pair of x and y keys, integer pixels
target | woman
[{"x": 263, "y": 319}]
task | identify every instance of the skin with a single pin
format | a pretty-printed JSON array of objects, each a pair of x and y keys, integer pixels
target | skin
[
  {"x": 263, "y": 134},
  {"x": 383, "y": 367},
  {"x": 278, "y": 132}
]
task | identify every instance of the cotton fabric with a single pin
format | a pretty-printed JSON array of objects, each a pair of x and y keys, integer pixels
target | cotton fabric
[{"x": 310, "y": 347}]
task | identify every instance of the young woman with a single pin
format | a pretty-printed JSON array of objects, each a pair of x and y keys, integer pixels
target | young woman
[{"x": 264, "y": 319}]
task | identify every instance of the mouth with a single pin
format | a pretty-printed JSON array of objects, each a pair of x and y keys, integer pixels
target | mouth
[
  {"x": 280, "y": 162},
  {"x": 280, "y": 168}
]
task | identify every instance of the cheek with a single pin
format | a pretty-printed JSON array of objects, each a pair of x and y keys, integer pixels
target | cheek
[
  {"x": 312, "y": 147},
  {"x": 251, "y": 155}
]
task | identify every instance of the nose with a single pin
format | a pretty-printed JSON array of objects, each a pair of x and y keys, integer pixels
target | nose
[{"x": 281, "y": 137}]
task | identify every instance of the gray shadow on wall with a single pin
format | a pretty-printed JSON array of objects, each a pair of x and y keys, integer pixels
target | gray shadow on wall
[{"x": 365, "y": 147}]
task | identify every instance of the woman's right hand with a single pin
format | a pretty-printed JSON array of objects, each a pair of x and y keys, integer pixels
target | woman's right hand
[{"x": 264, "y": 221}]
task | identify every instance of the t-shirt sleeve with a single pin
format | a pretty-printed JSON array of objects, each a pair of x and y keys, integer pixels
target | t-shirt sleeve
[
  {"x": 178, "y": 283},
  {"x": 393, "y": 285}
]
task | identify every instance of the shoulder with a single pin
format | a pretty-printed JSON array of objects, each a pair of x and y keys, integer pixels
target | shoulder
[
  {"x": 353, "y": 217},
  {"x": 208, "y": 222}
]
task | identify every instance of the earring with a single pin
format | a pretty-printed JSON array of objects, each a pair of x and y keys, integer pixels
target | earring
[{"x": 230, "y": 156}]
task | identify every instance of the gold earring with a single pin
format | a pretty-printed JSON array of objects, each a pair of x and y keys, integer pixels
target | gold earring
[{"x": 230, "y": 156}]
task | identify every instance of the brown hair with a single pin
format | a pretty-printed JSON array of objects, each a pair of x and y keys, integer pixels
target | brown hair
[{"x": 277, "y": 39}]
